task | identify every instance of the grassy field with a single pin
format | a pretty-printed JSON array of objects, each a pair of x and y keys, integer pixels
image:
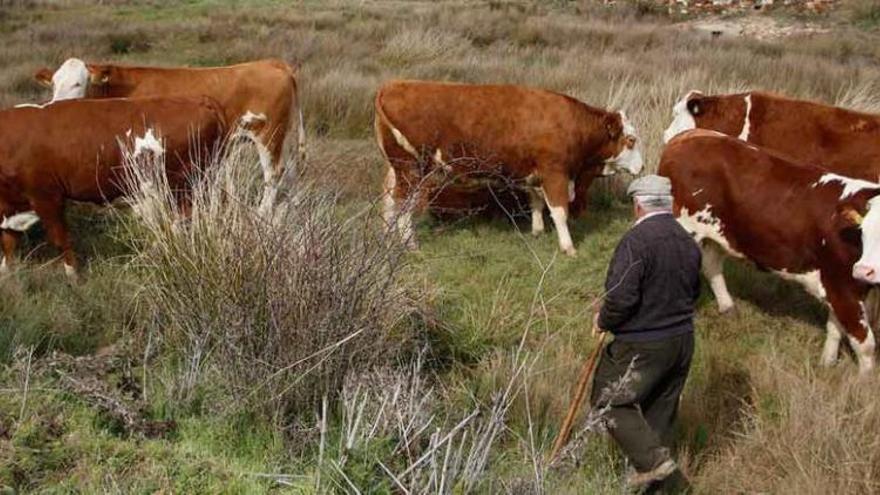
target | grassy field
[{"x": 484, "y": 318}]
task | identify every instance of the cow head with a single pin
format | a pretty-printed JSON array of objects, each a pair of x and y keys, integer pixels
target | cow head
[
  {"x": 683, "y": 115},
  {"x": 622, "y": 144},
  {"x": 867, "y": 268},
  {"x": 73, "y": 79}
]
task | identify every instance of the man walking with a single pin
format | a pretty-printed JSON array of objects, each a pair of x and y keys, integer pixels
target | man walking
[{"x": 651, "y": 288}]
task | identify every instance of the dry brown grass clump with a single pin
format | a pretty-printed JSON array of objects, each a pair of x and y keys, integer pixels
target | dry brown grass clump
[{"x": 806, "y": 433}]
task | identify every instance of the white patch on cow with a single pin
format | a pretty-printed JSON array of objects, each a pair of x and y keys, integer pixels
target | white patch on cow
[
  {"x": 249, "y": 118},
  {"x": 698, "y": 191},
  {"x": 810, "y": 281},
  {"x": 32, "y": 105},
  {"x": 705, "y": 226},
  {"x": 403, "y": 142},
  {"x": 744, "y": 135},
  {"x": 560, "y": 221},
  {"x": 867, "y": 268},
  {"x": 4, "y": 266},
  {"x": 571, "y": 191},
  {"x": 629, "y": 159},
  {"x": 833, "y": 332},
  {"x": 824, "y": 242},
  {"x": 70, "y": 81},
  {"x": 20, "y": 221},
  {"x": 864, "y": 350},
  {"x": 682, "y": 120},
  {"x": 69, "y": 270},
  {"x": 147, "y": 143},
  {"x": 850, "y": 186},
  {"x": 536, "y": 202}
]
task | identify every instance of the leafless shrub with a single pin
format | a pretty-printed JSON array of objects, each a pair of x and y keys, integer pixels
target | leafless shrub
[
  {"x": 435, "y": 451},
  {"x": 272, "y": 313}
]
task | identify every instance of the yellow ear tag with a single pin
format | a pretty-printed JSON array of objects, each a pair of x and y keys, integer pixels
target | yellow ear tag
[{"x": 853, "y": 216}]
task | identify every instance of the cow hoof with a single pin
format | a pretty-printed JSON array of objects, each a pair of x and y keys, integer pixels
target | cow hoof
[
  {"x": 537, "y": 233},
  {"x": 572, "y": 252},
  {"x": 828, "y": 362},
  {"x": 727, "y": 310}
]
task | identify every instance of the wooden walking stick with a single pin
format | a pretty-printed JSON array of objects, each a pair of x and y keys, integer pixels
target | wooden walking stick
[{"x": 579, "y": 394}]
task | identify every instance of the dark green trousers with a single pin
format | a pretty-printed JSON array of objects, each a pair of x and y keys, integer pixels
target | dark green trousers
[{"x": 643, "y": 416}]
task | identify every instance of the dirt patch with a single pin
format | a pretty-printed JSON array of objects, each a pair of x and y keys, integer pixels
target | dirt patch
[
  {"x": 757, "y": 26},
  {"x": 91, "y": 379},
  {"x": 733, "y": 6}
]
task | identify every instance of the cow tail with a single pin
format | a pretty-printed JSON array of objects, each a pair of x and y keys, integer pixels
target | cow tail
[
  {"x": 301, "y": 125},
  {"x": 380, "y": 119}
]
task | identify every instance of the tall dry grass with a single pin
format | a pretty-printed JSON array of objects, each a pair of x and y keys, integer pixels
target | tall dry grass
[{"x": 805, "y": 433}]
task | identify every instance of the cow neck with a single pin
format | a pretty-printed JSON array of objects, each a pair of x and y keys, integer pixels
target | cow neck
[{"x": 593, "y": 133}]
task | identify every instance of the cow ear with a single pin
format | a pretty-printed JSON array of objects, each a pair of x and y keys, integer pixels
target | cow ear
[
  {"x": 613, "y": 126},
  {"x": 695, "y": 106},
  {"x": 849, "y": 216},
  {"x": 44, "y": 77},
  {"x": 98, "y": 74}
]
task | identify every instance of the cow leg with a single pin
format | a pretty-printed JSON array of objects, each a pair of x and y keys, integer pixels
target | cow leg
[
  {"x": 556, "y": 194},
  {"x": 270, "y": 180},
  {"x": 849, "y": 311},
  {"x": 713, "y": 270},
  {"x": 833, "y": 331},
  {"x": 536, "y": 202},
  {"x": 865, "y": 351},
  {"x": 389, "y": 204},
  {"x": 397, "y": 208},
  {"x": 51, "y": 212},
  {"x": 405, "y": 221},
  {"x": 10, "y": 240}
]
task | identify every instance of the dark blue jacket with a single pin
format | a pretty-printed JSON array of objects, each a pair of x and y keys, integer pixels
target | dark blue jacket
[{"x": 653, "y": 282}]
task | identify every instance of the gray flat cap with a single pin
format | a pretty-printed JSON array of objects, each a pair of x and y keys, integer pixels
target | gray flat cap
[{"x": 650, "y": 185}]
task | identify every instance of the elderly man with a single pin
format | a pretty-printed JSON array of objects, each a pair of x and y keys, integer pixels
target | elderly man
[{"x": 652, "y": 286}]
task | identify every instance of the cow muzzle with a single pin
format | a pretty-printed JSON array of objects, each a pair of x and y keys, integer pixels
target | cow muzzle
[{"x": 866, "y": 273}]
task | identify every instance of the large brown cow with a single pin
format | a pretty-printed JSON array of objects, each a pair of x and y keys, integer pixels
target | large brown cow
[
  {"x": 262, "y": 95},
  {"x": 802, "y": 222},
  {"x": 431, "y": 133},
  {"x": 73, "y": 150},
  {"x": 840, "y": 140}
]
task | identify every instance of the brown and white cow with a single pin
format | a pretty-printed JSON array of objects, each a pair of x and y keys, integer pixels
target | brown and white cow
[
  {"x": 73, "y": 150},
  {"x": 840, "y": 140},
  {"x": 802, "y": 222},
  {"x": 262, "y": 95},
  {"x": 433, "y": 132}
]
